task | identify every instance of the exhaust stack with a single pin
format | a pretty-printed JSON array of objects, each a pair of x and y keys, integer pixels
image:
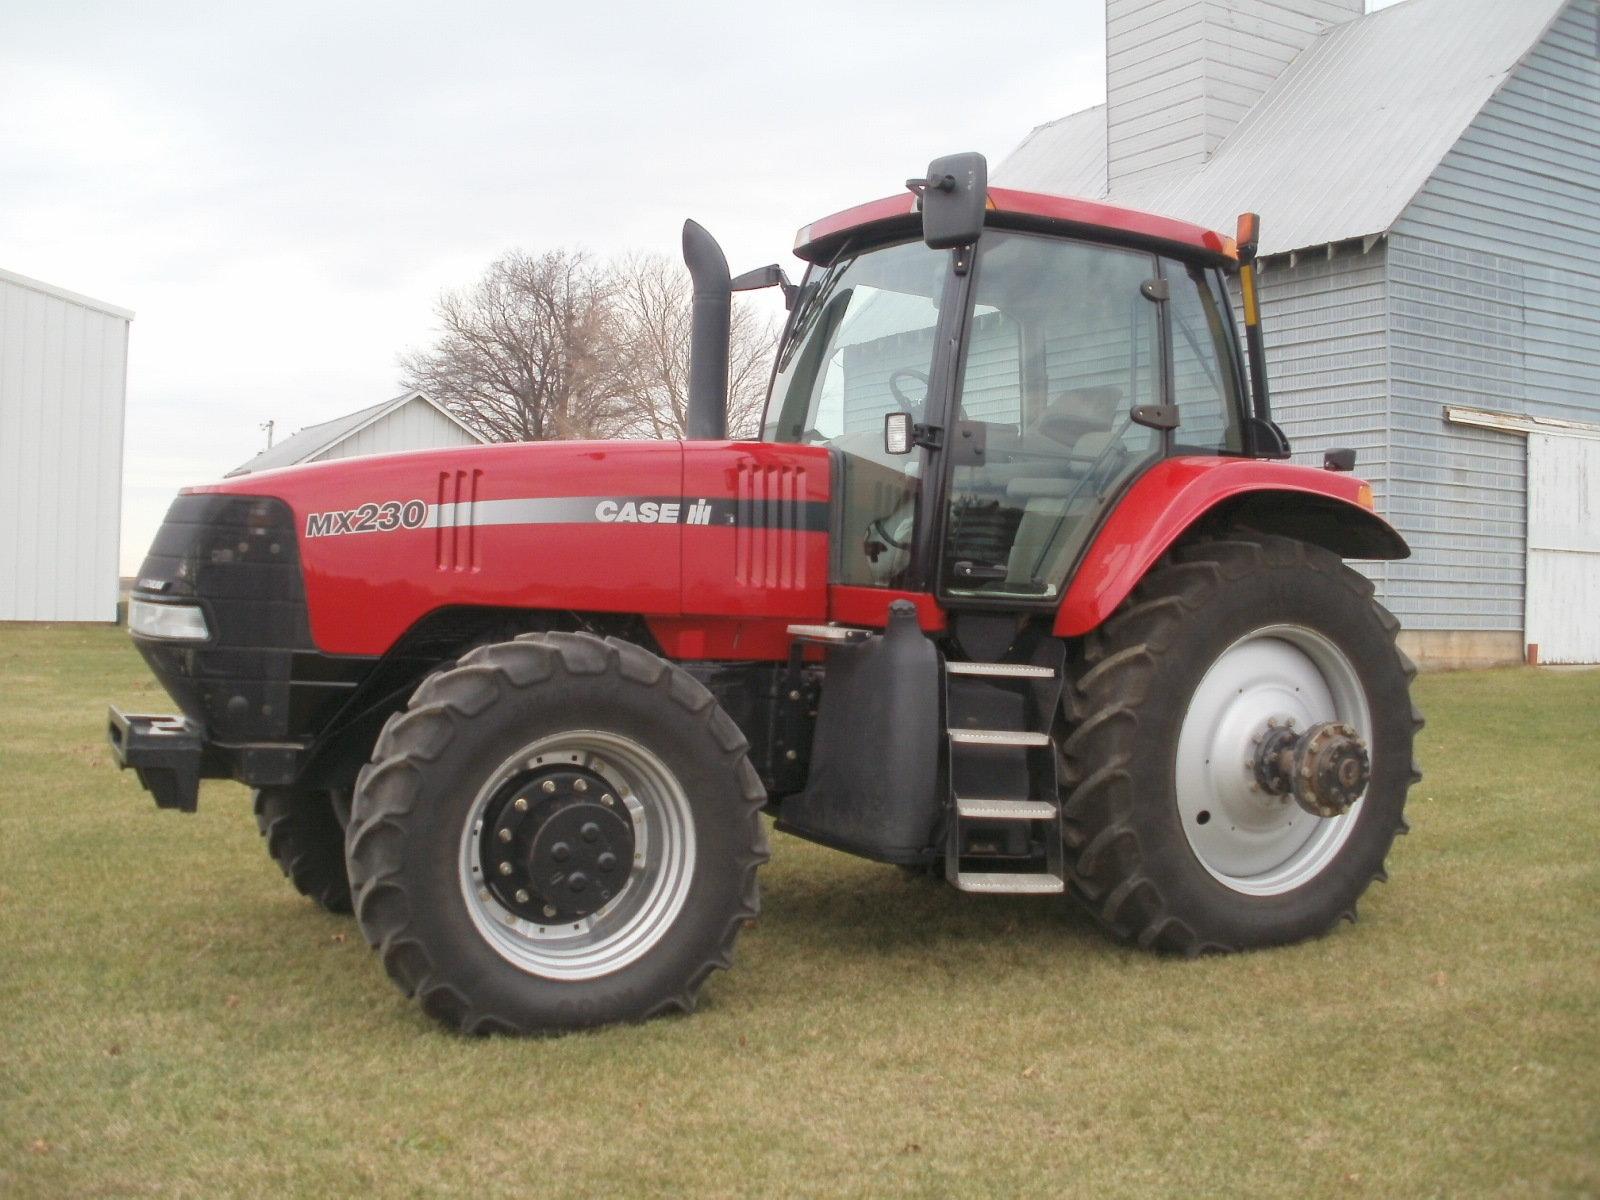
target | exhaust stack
[{"x": 707, "y": 417}]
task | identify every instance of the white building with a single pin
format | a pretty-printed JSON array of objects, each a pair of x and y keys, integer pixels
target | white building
[
  {"x": 1428, "y": 179},
  {"x": 410, "y": 421},
  {"x": 63, "y": 378}
]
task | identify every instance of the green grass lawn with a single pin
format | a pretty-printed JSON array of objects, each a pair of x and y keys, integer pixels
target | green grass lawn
[{"x": 175, "y": 1021}]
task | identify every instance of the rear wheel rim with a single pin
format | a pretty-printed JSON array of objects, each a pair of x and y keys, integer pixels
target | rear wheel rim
[
  {"x": 640, "y": 914},
  {"x": 1248, "y": 840}
]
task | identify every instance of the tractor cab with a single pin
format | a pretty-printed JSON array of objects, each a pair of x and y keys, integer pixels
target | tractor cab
[
  {"x": 987, "y": 405},
  {"x": 987, "y": 402}
]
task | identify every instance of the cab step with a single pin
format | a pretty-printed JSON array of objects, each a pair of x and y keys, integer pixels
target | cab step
[
  {"x": 1003, "y": 815},
  {"x": 998, "y": 737},
  {"x": 1000, "y": 670},
  {"x": 1004, "y": 810},
  {"x": 1009, "y": 882}
]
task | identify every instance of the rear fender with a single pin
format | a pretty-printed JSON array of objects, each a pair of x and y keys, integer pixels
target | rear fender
[{"x": 1180, "y": 495}]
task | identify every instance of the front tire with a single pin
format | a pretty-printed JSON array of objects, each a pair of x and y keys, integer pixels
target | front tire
[
  {"x": 306, "y": 839},
  {"x": 1172, "y": 841},
  {"x": 558, "y": 832}
]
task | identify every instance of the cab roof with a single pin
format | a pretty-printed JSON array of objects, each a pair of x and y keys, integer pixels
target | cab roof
[{"x": 820, "y": 240}]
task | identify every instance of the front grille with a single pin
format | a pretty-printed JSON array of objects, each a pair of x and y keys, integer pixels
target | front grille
[{"x": 239, "y": 557}]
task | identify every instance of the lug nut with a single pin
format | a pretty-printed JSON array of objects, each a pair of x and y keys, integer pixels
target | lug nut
[
  {"x": 504, "y": 835},
  {"x": 580, "y": 785},
  {"x": 577, "y": 881},
  {"x": 590, "y": 831},
  {"x": 522, "y": 895},
  {"x": 520, "y": 804},
  {"x": 607, "y": 861},
  {"x": 608, "y": 799},
  {"x": 505, "y": 868},
  {"x": 548, "y": 786},
  {"x": 793, "y": 695},
  {"x": 791, "y": 755},
  {"x": 561, "y": 852},
  {"x": 549, "y": 910}
]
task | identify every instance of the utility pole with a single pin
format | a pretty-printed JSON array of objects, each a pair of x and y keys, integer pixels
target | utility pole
[{"x": 268, "y": 426}]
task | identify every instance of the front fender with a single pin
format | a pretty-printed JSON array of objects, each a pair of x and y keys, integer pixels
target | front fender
[{"x": 1321, "y": 507}]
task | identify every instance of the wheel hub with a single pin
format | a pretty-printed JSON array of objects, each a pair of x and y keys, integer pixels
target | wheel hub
[
  {"x": 558, "y": 845},
  {"x": 1325, "y": 769}
]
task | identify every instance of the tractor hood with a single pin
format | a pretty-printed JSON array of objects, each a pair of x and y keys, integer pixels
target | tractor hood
[{"x": 650, "y": 528}]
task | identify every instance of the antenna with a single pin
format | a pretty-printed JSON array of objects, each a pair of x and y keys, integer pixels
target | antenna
[{"x": 268, "y": 426}]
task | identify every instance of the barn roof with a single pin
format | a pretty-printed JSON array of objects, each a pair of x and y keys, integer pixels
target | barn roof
[
  {"x": 1339, "y": 144},
  {"x": 306, "y": 444},
  {"x": 61, "y": 293}
]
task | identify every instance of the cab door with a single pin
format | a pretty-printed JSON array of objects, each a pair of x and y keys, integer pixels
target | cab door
[{"x": 1076, "y": 355}]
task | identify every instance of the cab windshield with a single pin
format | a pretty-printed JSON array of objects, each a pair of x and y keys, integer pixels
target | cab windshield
[{"x": 861, "y": 346}]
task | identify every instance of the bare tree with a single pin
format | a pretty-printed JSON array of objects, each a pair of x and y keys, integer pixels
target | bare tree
[
  {"x": 555, "y": 346},
  {"x": 526, "y": 353},
  {"x": 653, "y": 303}
]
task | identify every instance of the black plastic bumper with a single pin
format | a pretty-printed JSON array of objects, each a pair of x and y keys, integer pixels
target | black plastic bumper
[{"x": 166, "y": 751}]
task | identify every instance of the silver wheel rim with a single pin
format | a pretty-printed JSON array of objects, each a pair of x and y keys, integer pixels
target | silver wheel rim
[
  {"x": 1247, "y": 839},
  {"x": 642, "y": 912}
]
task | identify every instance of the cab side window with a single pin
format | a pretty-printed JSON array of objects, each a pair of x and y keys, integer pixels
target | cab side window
[{"x": 1205, "y": 386}]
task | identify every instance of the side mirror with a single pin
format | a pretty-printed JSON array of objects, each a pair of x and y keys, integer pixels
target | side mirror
[
  {"x": 897, "y": 433},
  {"x": 1341, "y": 458},
  {"x": 954, "y": 197},
  {"x": 764, "y": 277}
]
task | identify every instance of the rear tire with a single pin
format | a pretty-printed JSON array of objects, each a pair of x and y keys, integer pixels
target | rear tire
[
  {"x": 306, "y": 839},
  {"x": 432, "y": 882},
  {"x": 1302, "y": 634}
]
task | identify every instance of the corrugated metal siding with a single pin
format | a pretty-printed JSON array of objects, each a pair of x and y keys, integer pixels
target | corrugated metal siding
[
  {"x": 1340, "y": 143},
  {"x": 1249, "y": 44},
  {"x": 63, "y": 365},
  {"x": 1325, "y": 322},
  {"x": 1155, "y": 86},
  {"x": 1180, "y": 74},
  {"x": 414, "y": 426},
  {"x": 1495, "y": 271}
]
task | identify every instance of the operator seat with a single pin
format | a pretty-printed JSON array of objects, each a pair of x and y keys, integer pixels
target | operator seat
[{"x": 1083, "y": 421}]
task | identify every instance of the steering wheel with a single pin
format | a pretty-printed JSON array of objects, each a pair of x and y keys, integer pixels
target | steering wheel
[{"x": 914, "y": 407}]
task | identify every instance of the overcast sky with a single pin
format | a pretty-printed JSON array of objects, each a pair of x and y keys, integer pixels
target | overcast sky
[{"x": 280, "y": 191}]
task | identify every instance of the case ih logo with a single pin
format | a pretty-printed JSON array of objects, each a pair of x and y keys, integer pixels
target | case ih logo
[{"x": 654, "y": 512}]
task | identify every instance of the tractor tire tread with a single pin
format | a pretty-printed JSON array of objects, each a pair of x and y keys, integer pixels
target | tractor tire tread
[
  {"x": 388, "y": 786},
  {"x": 305, "y": 839},
  {"x": 1100, "y": 724}
]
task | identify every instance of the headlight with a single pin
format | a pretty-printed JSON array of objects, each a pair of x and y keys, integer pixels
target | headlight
[{"x": 174, "y": 622}]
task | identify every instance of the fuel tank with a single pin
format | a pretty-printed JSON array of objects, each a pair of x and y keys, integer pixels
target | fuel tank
[{"x": 668, "y": 530}]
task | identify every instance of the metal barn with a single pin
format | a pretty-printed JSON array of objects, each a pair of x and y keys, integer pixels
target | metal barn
[
  {"x": 63, "y": 376},
  {"x": 410, "y": 421},
  {"x": 1428, "y": 178}
]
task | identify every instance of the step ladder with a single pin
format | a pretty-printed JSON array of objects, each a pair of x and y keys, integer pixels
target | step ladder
[{"x": 1003, "y": 823}]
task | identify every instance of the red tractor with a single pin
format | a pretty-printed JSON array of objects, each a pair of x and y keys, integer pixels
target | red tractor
[{"x": 1014, "y": 587}]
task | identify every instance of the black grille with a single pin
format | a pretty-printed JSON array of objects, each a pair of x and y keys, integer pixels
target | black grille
[{"x": 238, "y": 556}]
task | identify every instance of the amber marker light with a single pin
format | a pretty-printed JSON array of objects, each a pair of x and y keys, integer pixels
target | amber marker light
[{"x": 1364, "y": 497}]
